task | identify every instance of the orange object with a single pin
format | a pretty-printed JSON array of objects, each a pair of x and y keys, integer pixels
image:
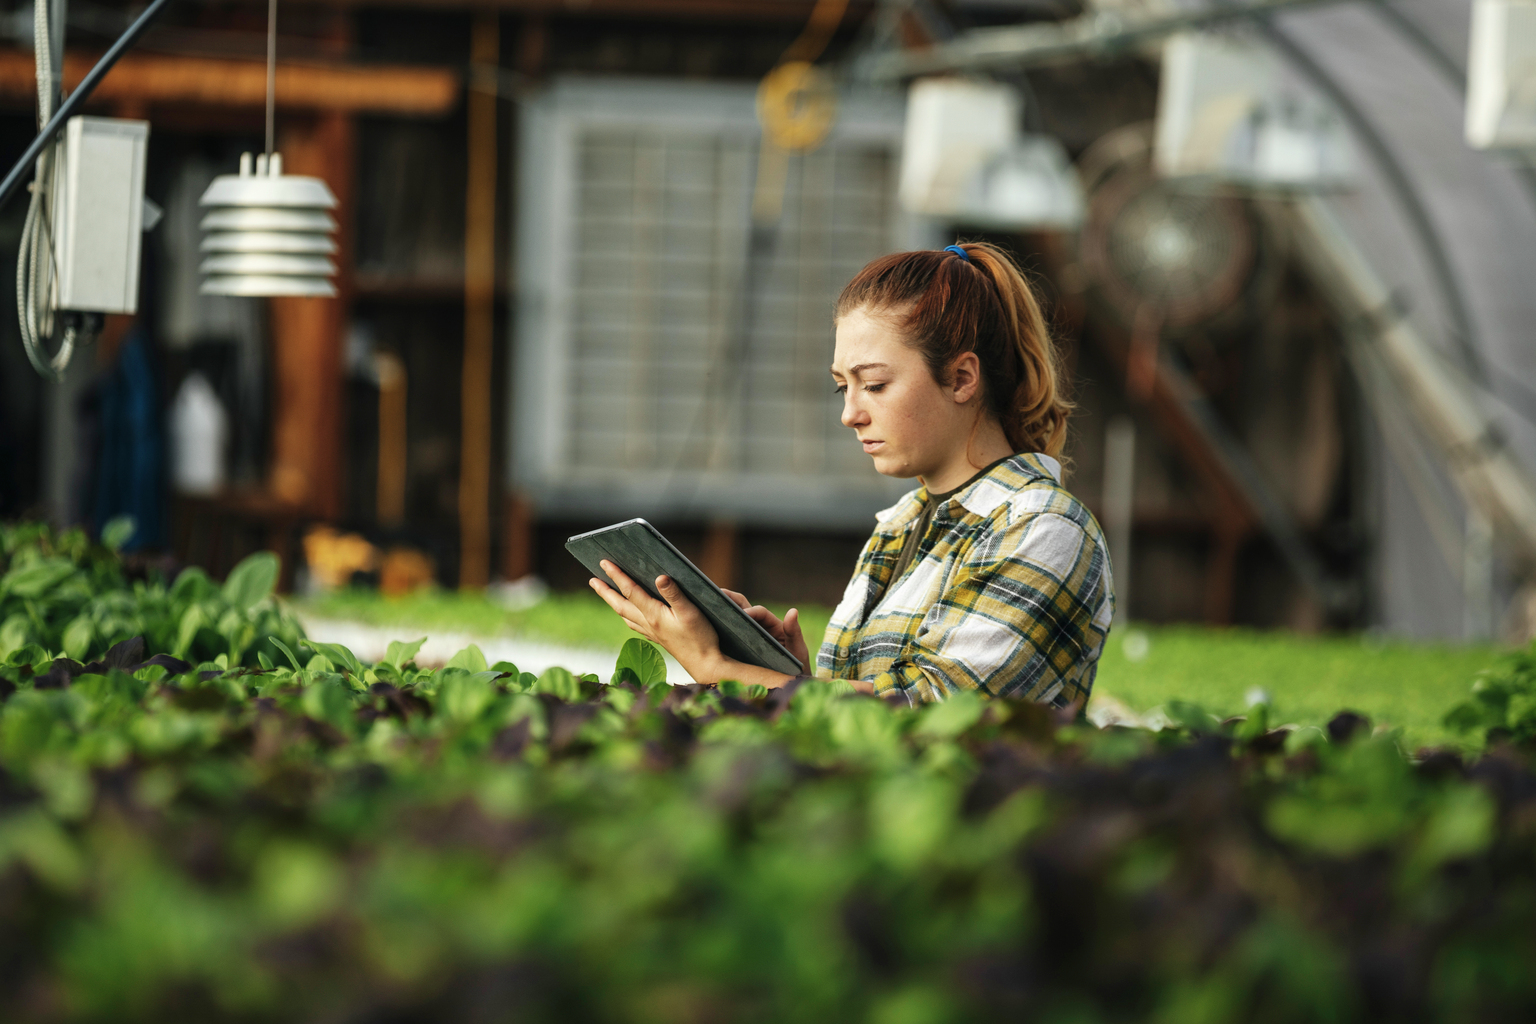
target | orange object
[
  {"x": 333, "y": 556},
  {"x": 405, "y": 570}
]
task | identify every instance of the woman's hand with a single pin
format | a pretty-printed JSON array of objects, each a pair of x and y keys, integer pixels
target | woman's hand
[
  {"x": 682, "y": 630},
  {"x": 786, "y": 630},
  {"x": 674, "y": 623}
]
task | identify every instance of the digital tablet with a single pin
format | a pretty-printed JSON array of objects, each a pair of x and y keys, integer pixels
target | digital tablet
[{"x": 640, "y": 550}]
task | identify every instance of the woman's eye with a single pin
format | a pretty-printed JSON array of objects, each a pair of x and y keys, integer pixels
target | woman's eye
[
  {"x": 841, "y": 389},
  {"x": 874, "y": 388}
]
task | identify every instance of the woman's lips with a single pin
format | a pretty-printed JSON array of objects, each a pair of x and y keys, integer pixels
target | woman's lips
[{"x": 870, "y": 447}]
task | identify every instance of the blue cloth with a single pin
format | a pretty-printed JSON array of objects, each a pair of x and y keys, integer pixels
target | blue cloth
[{"x": 130, "y": 462}]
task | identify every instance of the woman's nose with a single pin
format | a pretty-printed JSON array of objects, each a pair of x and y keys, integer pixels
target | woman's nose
[{"x": 853, "y": 416}]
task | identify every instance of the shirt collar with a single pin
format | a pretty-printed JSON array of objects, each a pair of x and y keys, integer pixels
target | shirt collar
[
  {"x": 894, "y": 520},
  {"x": 980, "y": 497}
]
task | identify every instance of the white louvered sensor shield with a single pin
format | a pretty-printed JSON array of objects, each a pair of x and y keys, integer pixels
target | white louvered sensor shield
[{"x": 268, "y": 233}]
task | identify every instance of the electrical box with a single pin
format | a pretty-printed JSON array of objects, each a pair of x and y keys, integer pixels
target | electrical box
[
  {"x": 1501, "y": 75},
  {"x": 98, "y": 214},
  {"x": 1225, "y": 113},
  {"x": 964, "y": 159}
]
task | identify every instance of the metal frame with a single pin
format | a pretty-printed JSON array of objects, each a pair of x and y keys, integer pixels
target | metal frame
[{"x": 1043, "y": 43}]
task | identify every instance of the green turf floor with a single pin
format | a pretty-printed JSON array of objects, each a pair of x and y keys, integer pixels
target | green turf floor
[
  {"x": 1307, "y": 678},
  {"x": 576, "y": 620}
]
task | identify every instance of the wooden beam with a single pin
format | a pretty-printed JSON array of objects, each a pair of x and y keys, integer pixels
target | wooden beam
[
  {"x": 213, "y": 81},
  {"x": 788, "y": 12},
  {"x": 479, "y": 308},
  {"x": 307, "y": 334}
]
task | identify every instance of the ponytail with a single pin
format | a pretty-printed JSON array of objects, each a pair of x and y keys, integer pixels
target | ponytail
[{"x": 973, "y": 298}]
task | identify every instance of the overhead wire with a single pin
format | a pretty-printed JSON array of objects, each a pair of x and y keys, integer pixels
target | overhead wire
[{"x": 271, "y": 75}]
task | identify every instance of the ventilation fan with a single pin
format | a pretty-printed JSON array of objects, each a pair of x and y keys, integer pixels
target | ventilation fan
[{"x": 1164, "y": 253}]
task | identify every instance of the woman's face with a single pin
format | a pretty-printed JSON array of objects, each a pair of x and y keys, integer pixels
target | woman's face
[{"x": 909, "y": 424}]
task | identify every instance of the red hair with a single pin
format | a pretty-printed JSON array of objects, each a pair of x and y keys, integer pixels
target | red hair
[{"x": 947, "y": 305}]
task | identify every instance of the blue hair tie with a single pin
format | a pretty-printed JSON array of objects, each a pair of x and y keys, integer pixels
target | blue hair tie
[{"x": 958, "y": 252}]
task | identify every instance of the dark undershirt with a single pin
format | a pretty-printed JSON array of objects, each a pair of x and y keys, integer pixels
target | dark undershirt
[{"x": 925, "y": 519}]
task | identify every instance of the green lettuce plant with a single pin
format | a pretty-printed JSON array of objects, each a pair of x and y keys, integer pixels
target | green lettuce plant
[
  {"x": 316, "y": 837},
  {"x": 62, "y": 594}
]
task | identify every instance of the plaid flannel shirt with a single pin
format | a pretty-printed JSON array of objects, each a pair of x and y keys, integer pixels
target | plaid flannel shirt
[{"x": 1009, "y": 594}]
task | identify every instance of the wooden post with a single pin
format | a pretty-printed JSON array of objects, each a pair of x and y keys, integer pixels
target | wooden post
[
  {"x": 307, "y": 336},
  {"x": 719, "y": 559},
  {"x": 392, "y": 437},
  {"x": 517, "y": 537},
  {"x": 519, "y": 530},
  {"x": 479, "y": 307}
]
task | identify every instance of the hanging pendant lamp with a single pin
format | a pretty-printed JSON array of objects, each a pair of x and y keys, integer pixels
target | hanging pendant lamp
[{"x": 266, "y": 232}]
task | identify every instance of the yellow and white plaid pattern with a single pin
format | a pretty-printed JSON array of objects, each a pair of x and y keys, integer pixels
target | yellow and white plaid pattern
[{"x": 1010, "y": 594}]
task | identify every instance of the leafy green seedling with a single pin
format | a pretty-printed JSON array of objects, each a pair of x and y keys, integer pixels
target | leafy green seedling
[
  {"x": 252, "y": 580},
  {"x": 640, "y": 662},
  {"x": 470, "y": 659},
  {"x": 186, "y": 632},
  {"x": 77, "y": 637},
  {"x": 329, "y": 701},
  {"x": 285, "y": 649},
  {"x": 949, "y": 718},
  {"x": 1192, "y": 717},
  {"x": 398, "y": 653},
  {"x": 35, "y": 579},
  {"x": 336, "y": 654},
  {"x": 118, "y": 531},
  {"x": 463, "y": 697},
  {"x": 560, "y": 683}
]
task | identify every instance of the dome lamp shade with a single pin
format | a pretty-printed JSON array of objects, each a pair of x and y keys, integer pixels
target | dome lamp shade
[{"x": 268, "y": 233}]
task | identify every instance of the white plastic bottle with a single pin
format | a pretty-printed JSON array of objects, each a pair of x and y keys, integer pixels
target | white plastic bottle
[{"x": 199, "y": 437}]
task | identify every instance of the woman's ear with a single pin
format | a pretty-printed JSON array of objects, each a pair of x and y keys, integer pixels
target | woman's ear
[{"x": 965, "y": 377}]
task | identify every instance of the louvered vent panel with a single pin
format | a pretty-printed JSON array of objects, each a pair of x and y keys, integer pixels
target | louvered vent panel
[
  {"x": 643, "y": 386},
  {"x": 666, "y": 378}
]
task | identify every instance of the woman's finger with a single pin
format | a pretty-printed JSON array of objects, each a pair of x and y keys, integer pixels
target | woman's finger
[
  {"x": 740, "y": 599},
  {"x": 792, "y": 622},
  {"x": 769, "y": 620},
  {"x": 622, "y": 583},
  {"x": 794, "y": 640},
  {"x": 681, "y": 607},
  {"x": 644, "y": 604},
  {"x": 615, "y": 600}
]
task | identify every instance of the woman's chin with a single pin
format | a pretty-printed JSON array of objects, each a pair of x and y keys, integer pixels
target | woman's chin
[{"x": 886, "y": 465}]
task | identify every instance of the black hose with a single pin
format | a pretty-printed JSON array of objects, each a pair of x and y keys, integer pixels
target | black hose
[{"x": 67, "y": 109}]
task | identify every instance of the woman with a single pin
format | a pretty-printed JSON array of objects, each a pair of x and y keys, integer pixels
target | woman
[{"x": 990, "y": 576}]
